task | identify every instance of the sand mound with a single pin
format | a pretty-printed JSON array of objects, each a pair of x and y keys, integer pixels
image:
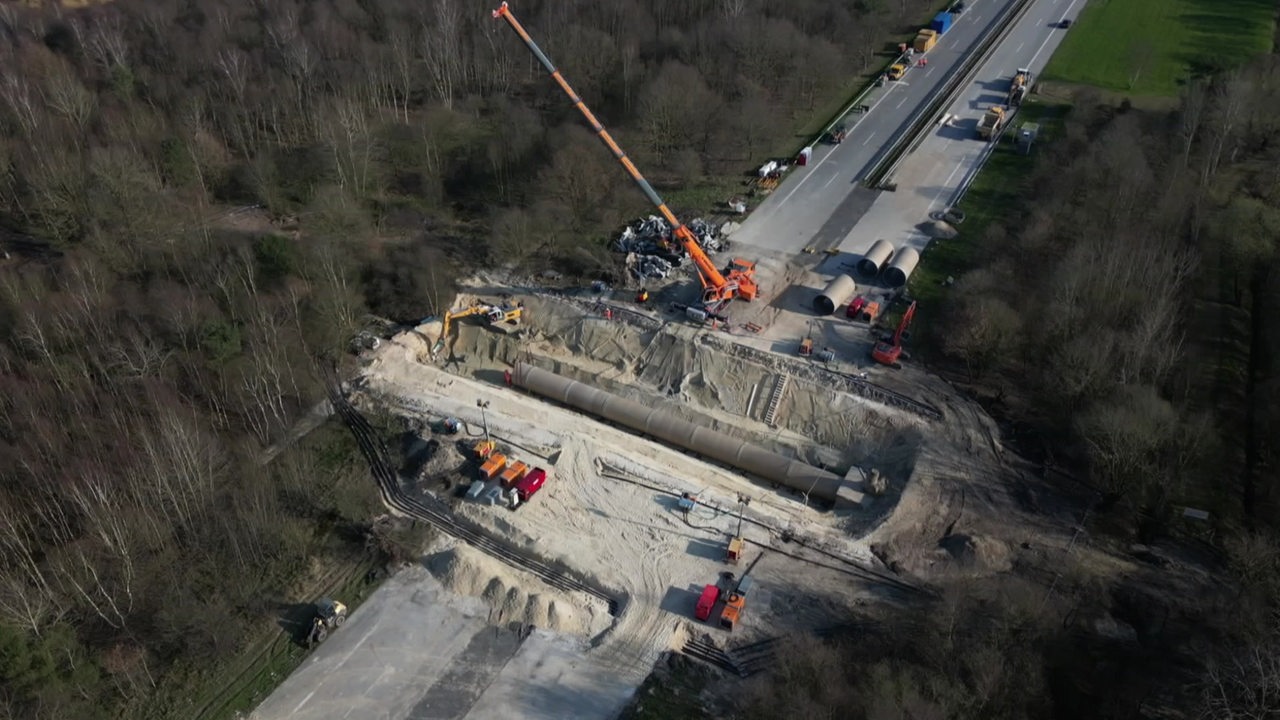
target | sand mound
[
  {"x": 938, "y": 229},
  {"x": 975, "y": 552},
  {"x": 469, "y": 572}
]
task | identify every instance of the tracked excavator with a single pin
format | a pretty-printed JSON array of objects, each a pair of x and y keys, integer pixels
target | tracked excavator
[
  {"x": 497, "y": 315},
  {"x": 889, "y": 350},
  {"x": 737, "y": 280}
]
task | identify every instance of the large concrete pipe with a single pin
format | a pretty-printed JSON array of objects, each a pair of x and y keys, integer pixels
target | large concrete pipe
[
  {"x": 904, "y": 262},
  {"x": 836, "y": 293},
  {"x": 873, "y": 261},
  {"x": 664, "y": 426}
]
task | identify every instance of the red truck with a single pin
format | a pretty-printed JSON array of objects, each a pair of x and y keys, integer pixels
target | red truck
[
  {"x": 530, "y": 484},
  {"x": 706, "y": 602},
  {"x": 855, "y": 307}
]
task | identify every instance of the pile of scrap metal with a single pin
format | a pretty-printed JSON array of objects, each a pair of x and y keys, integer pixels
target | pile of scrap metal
[
  {"x": 651, "y": 253},
  {"x": 650, "y": 266},
  {"x": 652, "y": 236}
]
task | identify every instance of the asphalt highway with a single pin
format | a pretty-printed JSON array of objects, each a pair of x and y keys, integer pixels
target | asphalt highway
[
  {"x": 928, "y": 180},
  {"x": 820, "y": 204}
]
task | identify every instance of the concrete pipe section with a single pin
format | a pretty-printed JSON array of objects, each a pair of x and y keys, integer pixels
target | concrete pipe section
[
  {"x": 716, "y": 445},
  {"x": 904, "y": 263},
  {"x": 836, "y": 293},
  {"x": 871, "y": 263}
]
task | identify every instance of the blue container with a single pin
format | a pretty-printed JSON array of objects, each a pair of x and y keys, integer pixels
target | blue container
[{"x": 941, "y": 22}]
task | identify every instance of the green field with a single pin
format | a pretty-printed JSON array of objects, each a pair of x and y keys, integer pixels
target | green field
[{"x": 1149, "y": 47}]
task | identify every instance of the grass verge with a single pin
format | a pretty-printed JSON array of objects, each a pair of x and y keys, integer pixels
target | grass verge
[{"x": 1150, "y": 47}]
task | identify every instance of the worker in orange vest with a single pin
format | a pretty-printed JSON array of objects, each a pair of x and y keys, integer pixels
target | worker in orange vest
[{"x": 642, "y": 296}]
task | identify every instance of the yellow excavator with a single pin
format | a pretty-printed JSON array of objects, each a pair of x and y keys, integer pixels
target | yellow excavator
[{"x": 501, "y": 316}]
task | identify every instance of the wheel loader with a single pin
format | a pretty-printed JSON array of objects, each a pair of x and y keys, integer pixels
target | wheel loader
[{"x": 330, "y": 615}]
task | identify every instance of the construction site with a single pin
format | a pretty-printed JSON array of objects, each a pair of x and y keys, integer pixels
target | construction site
[{"x": 732, "y": 448}]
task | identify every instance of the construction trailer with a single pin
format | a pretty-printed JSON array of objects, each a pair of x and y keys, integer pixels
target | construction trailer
[
  {"x": 889, "y": 350},
  {"x": 991, "y": 123},
  {"x": 736, "y": 601},
  {"x": 737, "y": 281},
  {"x": 496, "y": 463}
]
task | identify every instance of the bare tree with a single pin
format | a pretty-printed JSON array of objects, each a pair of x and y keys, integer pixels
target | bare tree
[{"x": 441, "y": 40}]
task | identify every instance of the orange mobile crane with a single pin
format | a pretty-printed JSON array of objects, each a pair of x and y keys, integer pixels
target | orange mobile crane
[
  {"x": 738, "y": 279},
  {"x": 887, "y": 352}
]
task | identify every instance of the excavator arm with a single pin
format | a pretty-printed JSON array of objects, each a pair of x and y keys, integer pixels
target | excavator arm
[{"x": 715, "y": 286}]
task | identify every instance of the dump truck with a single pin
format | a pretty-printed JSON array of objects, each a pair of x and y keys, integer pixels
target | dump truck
[
  {"x": 1019, "y": 86},
  {"x": 870, "y": 311},
  {"x": 991, "y": 123},
  {"x": 925, "y": 40},
  {"x": 855, "y": 308},
  {"x": 496, "y": 463}
]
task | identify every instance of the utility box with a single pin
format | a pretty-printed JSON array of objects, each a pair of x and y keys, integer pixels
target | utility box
[
  {"x": 1027, "y": 136},
  {"x": 941, "y": 23}
]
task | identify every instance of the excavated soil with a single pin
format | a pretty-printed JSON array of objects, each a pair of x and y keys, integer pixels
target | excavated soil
[{"x": 513, "y": 596}]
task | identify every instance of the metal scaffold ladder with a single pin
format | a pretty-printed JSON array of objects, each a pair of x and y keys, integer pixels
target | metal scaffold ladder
[{"x": 779, "y": 387}]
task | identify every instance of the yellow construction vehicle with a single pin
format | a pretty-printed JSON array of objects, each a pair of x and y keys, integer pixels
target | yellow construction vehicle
[
  {"x": 1018, "y": 87},
  {"x": 507, "y": 313},
  {"x": 896, "y": 71},
  {"x": 991, "y": 123},
  {"x": 476, "y": 308},
  {"x": 330, "y": 615}
]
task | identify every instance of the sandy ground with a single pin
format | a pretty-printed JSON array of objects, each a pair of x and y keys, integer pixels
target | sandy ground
[{"x": 945, "y": 482}]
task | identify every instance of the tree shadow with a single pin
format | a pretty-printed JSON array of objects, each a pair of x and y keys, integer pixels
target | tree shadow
[
  {"x": 417, "y": 451},
  {"x": 295, "y": 620}
]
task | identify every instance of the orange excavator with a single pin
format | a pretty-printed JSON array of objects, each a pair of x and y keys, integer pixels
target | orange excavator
[
  {"x": 887, "y": 352},
  {"x": 718, "y": 288}
]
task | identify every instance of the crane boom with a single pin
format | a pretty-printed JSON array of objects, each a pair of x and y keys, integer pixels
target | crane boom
[
  {"x": 906, "y": 322},
  {"x": 715, "y": 286}
]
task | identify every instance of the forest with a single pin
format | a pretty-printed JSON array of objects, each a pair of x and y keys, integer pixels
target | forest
[{"x": 158, "y": 338}]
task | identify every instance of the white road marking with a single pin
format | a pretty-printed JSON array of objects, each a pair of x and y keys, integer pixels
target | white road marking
[
  {"x": 864, "y": 142},
  {"x": 833, "y": 179},
  {"x": 1019, "y": 48},
  {"x": 900, "y": 102}
]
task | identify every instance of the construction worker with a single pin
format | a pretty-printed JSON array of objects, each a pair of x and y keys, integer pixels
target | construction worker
[
  {"x": 642, "y": 297},
  {"x": 608, "y": 313},
  {"x": 506, "y": 375}
]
